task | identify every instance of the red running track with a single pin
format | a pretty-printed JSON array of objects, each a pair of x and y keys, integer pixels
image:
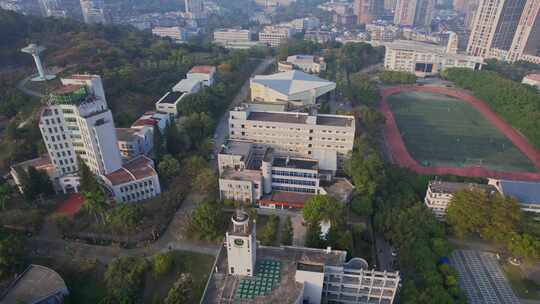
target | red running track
[{"x": 402, "y": 157}]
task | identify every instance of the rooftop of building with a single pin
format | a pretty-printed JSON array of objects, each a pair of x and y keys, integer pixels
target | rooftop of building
[
  {"x": 138, "y": 168},
  {"x": 339, "y": 188},
  {"x": 171, "y": 97},
  {"x": 34, "y": 284},
  {"x": 126, "y": 134},
  {"x": 452, "y": 187},
  {"x": 301, "y": 118},
  {"x": 534, "y": 77},
  {"x": 82, "y": 77},
  {"x": 236, "y": 147},
  {"x": 335, "y": 121},
  {"x": 524, "y": 192},
  {"x": 290, "y": 198},
  {"x": 291, "y": 82},
  {"x": 40, "y": 163},
  {"x": 186, "y": 85},
  {"x": 307, "y": 58},
  {"x": 144, "y": 122},
  {"x": 287, "y": 290},
  {"x": 202, "y": 69},
  {"x": 242, "y": 175},
  {"x": 427, "y": 48},
  {"x": 295, "y": 163}
]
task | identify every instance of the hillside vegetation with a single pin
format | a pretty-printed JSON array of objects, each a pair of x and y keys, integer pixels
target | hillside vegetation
[{"x": 518, "y": 104}]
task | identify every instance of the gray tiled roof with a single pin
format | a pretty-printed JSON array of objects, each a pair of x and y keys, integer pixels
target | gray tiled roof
[{"x": 525, "y": 192}]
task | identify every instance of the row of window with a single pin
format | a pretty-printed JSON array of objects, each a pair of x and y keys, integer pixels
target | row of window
[
  {"x": 135, "y": 186},
  {"x": 293, "y": 181},
  {"x": 294, "y": 173},
  {"x": 137, "y": 195},
  {"x": 294, "y": 189}
]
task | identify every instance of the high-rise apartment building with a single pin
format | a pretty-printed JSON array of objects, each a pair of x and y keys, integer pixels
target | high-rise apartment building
[
  {"x": 507, "y": 30},
  {"x": 52, "y": 8},
  {"x": 194, "y": 7},
  {"x": 93, "y": 11},
  {"x": 389, "y": 4},
  {"x": 76, "y": 125},
  {"x": 368, "y": 10},
  {"x": 418, "y": 13}
]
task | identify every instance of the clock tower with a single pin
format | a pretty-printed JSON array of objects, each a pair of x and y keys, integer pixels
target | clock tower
[{"x": 241, "y": 245}]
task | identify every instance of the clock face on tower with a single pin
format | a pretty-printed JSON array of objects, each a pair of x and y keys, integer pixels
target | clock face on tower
[{"x": 239, "y": 242}]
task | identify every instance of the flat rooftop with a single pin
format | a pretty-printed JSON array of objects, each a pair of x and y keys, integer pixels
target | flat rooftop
[
  {"x": 35, "y": 283},
  {"x": 295, "y": 163},
  {"x": 292, "y": 118},
  {"x": 236, "y": 147},
  {"x": 202, "y": 69},
  {"x": 451, "y": 187},
  {"x": 335, "y": 121},
  {"x": 171, "y": 97},
  {"x": 222, "y": 286},
  {"x": 301, "y": 118},
  {"x": 243, "y": 175}
]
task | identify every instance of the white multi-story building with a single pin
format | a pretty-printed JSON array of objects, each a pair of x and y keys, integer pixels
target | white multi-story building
[
  {"x": 226, "y": 36},
  {"x": 274, "y": 35},
  {"x": 439, "y": 194},
  {"x": 306, "y": 63},
  {"x": 294, "y": 87},
  {"x": 176, "y": 33},
  {"x": 299, "y": 274},
  {"x": 326, "y": 138},
  {"x": 425, "y": 59},
  {"x": 77, "y": 124},
  {"x": 533, "y": 80},
  {"x": 135, "y": 181},
  {"x": 133, "y": 142},
  {"x": 247, "y": 173},
  {"x": 196, "y": 78},
  {"x": 93, "y": 11}
]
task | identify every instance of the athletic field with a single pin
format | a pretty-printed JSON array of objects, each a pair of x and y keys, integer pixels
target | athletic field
[{"x": 442, "y": 131}]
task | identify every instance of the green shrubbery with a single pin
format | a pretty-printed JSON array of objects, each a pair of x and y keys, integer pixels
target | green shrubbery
[{"x": 396, "y": 77}]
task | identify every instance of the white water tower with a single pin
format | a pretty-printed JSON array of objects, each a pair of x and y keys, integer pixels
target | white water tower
[{"x": 35, "y": 50}]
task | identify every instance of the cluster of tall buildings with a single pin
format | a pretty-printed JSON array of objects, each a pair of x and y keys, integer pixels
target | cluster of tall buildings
[
  {"x": 280, "y": 150},
  {"x": 506, "y": 29}
]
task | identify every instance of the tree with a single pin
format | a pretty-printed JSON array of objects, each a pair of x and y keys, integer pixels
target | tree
[
  {"x": 268, "y": 233},
  {"x": 36, "y": 183},
  {"x": 313, "y": 236},
  {"x": 5, "y": 191},
  {"x": 168, "y": 168},
  {"x": 206, "y": 182},
  {"x": 157, "y": 143},
  {"x": 182, "y": 290},
  {"x": 287, "y": 233},
  {"x": 207, "y": 221},
  {"x": 173, "y": 139},
  {"x": 362, "y": 205},
  {"x": 95, "y": 204},
  {"x": 394, "y": 77},
  {"x": 124, "y": 278},
  {"x": 162, "y": 263},
  {"x": 11, "y": 253},
  {"x": 198, "y": 126},
  {"x": 323, "y": 208},
  {"x": 88, "y": 180}
]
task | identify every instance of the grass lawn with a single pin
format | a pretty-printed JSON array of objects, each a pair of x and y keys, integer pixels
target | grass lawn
[
  {"x": 439, "y": 130},
  {"x": 198, "y": 265},
  {"x": 522, "y": 286}
]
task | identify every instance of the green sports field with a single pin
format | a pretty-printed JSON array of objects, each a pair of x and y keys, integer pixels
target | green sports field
[{"x": 439, "y": 130}]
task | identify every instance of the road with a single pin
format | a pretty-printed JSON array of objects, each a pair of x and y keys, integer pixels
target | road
[{"x": 22, "y": 86}]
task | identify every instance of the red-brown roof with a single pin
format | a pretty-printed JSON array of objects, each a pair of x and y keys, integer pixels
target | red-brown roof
[
  {"x": 535, "y": 77},
  {"x": 138, "y": 168},
  {"x": 68, "y": 88},
  {"x": 202, "y": 69},
  {"x": 144, "y": 122}
]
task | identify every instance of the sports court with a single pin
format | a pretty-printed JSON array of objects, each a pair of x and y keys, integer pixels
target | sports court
[{"x": 440, "y": 130}]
